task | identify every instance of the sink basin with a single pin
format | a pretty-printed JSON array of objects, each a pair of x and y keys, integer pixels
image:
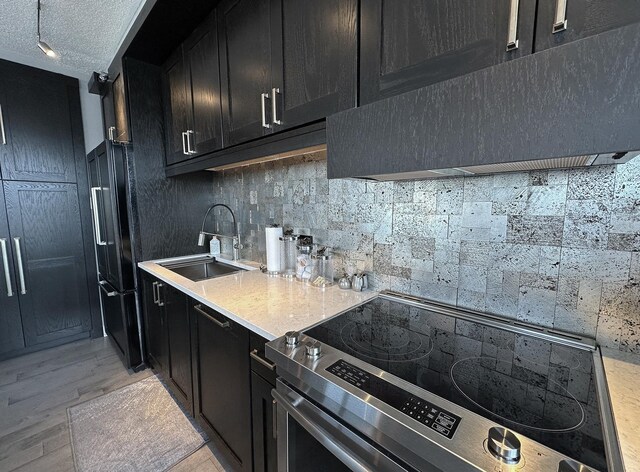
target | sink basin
[{"x": 202, "y": 270}]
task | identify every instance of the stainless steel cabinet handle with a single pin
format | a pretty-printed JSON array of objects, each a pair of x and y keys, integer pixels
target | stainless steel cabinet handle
[
  {"x": 4, "y": 136},
  {"x": 23, "y": 288},
  {"x": 263, "y": 98},
  {"x": 512, "y": 38},
  {"x": 111, "y": 133},
  {"x": 222, "y": 324},
  {"x": 155, "y": 297},
  {"x": 274, "y": 419},
  {"x": 560, "y": 20},
  {"x": 264, "y": 362},
  {"x": 107, "y": 292},
  {"x": 160, "y": 302},
  {"x": 5, "y": 263},
  {"x": 190, "y": 150},
  {"x": 96, "y": 216},
  {"x": 184, "y": 145},
  {"x": 274, "y": 106}
]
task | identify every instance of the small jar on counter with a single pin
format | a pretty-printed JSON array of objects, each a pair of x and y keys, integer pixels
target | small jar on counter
[
  {"x": 322, "y": 273},
  {"x": 304, "y": 267},
  {"x": 288, "y": 256}
]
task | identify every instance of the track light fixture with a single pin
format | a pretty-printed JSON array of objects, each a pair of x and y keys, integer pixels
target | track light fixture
[{"x": 44, "y": 47}]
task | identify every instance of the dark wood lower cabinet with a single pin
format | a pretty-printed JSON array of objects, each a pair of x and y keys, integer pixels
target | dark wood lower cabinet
[
  {"x": 222, "y": 384},
  {"x": 157, "y": 346},
  {"x": 216, "y": 368},
  {"x": 179, "y": 334}
]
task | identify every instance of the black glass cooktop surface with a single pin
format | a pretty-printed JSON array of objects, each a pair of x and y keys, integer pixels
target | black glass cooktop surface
[{"x": 541, "y": 389}]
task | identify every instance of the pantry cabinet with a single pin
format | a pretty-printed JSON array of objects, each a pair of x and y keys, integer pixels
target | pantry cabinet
[
  {"x": 36, "y": 137},
  {"x": 45, "y": 229}
]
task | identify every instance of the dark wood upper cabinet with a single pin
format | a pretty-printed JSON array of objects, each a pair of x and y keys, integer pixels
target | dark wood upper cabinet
[
  {"x": 176, "y": 108},
  {"x": 191, "y": 89},
  {"x": 581, "y": 18},
  {"x": 413, "y": 43},
  {"x": 114, "y": 110},
  {"x": 202, "y": 62},
  {"x": 245, "y": 59},
  {"x": 36, "y": 139},
  {"x": 314, "y": 60}
]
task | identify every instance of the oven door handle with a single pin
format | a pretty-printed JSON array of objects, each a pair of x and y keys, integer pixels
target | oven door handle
[{"x": 343, "y": 443}]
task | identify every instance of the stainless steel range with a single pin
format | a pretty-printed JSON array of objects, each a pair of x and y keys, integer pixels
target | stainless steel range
[{"x": 400, "y": 383}]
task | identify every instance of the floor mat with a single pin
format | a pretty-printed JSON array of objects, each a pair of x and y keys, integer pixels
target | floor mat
[{"x": 138, "y": 428}]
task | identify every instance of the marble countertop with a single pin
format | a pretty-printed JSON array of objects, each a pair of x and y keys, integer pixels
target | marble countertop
[
  {"x": 623, "y": 378},
  {"x": 268, "y": 306}
]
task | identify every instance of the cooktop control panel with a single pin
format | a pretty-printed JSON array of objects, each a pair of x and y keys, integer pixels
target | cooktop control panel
[{"x": 430, "y": 415}]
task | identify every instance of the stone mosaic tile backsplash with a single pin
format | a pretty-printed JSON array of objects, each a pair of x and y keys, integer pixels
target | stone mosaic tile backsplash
[{"x": 558, "y": 248}]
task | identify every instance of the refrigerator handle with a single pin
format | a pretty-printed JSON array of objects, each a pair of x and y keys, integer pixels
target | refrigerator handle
[{"x": 96, "y": 217}]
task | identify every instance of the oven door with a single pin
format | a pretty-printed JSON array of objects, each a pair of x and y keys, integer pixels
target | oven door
[{"x": 310, "y": 440}]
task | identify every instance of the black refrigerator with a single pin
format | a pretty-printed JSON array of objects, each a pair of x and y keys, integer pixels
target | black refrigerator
[{"x": 116, "y": 270}]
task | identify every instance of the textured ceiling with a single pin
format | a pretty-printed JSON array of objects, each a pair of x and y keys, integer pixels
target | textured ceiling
[{"x": 85, "y": 33}]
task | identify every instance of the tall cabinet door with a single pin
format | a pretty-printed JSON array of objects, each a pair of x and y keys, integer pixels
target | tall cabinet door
[
  {"x": 201, "y": 57},
  {"x": 409, "y": 44},
  {"x": 315, "y": 60},
  {"x": 11, "y": 337},
  {"x": 177, "y": 98},
  {"x": 37, "y": 127},
  {"x": 580, "y": 19},
  {"x": 245, "y": 58},
  {"x": 44, "y": 222}
]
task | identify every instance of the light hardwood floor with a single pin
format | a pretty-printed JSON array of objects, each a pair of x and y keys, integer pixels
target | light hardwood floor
[{"x": 37, "y": 389}]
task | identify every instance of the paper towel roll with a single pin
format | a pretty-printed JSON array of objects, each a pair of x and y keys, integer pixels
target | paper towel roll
[{"x": 273, "y": 235}]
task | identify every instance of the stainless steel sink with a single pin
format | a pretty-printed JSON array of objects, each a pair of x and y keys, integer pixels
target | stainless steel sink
[{"x": 201, "y": 269}]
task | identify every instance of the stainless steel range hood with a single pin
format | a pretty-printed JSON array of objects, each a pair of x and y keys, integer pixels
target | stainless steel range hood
[
  {"x": 570, "y": 106},
  {"x": 518, "y": 166}
]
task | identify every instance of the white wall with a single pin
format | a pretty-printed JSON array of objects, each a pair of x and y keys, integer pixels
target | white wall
[{"x": 91, "y": 117}]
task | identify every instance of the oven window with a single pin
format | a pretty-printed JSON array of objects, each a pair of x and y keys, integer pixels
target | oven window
[{"x": 308, "y": 455}]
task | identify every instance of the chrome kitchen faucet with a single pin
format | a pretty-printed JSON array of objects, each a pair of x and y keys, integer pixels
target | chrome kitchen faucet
[{"x": 235, "y": 238}]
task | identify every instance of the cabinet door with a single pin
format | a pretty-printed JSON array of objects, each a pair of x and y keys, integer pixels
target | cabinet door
[
  {"x": 245, "y": 59},
  {"x": 155, "y": 329},
  {"x": 583, "y": 18},
  {"x": 37, "y": 128},
  {"x": 201, "y": 56},
  {"x": 315, "y": 60},
  {"x": 177, "y": 107},
  {"x": 413, "y": 43},
  {"x": 223, "y": 380},
  {"x": 265, "y": 446},
  {"x": 11, "y": 337},
  {"x": 178, "y": 328},
  {"x": 44, "y": 220}
]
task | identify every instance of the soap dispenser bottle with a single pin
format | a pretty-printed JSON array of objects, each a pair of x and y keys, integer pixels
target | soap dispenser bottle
[{"x": 214, "y": 247}]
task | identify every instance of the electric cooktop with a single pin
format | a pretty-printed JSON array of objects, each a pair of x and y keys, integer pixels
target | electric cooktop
[{"x": 539, "y": 388}]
